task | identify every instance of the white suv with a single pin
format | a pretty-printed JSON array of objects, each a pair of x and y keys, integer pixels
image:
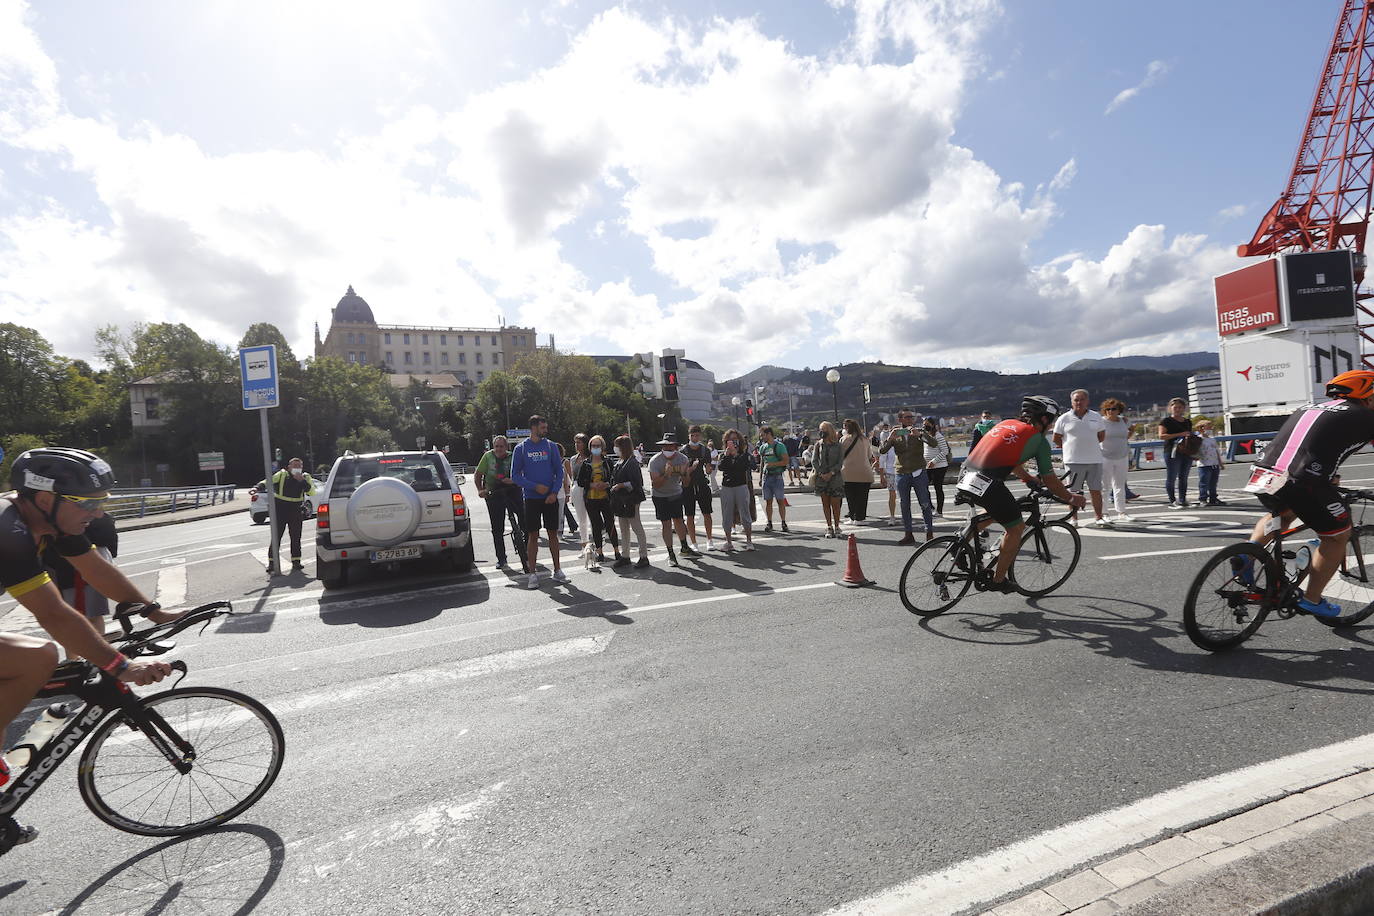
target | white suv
[{"x": 387, "y": 508}]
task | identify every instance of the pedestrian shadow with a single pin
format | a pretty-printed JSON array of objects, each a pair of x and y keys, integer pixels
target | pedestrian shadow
[
  {"x": 576, "y": 602},
  {"x": 1146, "y": 636},
  {"x": 786, "y": 558},
  {"x": 225, "y": 870}
]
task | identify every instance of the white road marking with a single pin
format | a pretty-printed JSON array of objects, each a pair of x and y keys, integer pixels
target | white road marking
[
  {"x": 1159, "y": 553},
  {"x": 1016, "y": 867},
  {"x": 171, "y": 586}
]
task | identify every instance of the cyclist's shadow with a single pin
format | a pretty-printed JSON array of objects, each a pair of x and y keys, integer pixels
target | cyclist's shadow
[{"x": 225, "y": 870}]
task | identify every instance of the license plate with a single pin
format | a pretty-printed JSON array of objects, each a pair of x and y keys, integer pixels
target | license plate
[{"x": 395, "y": 553}]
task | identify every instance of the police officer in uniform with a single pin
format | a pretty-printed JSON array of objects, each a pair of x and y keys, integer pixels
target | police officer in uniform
[{"x": 290, "y": 486}]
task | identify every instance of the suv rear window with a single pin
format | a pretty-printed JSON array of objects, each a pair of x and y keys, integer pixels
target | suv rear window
[{"x": 422, "y": 472}]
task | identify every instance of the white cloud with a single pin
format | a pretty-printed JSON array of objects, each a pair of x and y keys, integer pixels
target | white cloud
[
  {"x": 1232, "y": 212},
  {"x": 897, "y": 240},
  {"x": 1154, "y": 72}
]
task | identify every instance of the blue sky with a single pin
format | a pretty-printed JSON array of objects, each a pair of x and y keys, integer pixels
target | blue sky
[{"x": 1004, "y": 185}]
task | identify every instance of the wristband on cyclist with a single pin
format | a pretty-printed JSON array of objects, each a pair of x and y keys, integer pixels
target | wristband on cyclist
[{"x": 116, "y": 666}]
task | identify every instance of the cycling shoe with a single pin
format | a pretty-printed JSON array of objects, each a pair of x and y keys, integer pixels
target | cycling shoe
[
  {"x": 1320, "y": 608},
  {"x": 1244, "y": 569}
]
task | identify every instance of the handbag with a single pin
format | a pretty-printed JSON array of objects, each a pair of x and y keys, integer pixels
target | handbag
[{"x": 1188, "y": 446}]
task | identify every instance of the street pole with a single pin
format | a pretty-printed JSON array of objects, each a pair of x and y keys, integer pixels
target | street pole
[
  {"x": 272, "y": 565},
  {"x": 835, "y": 397}
]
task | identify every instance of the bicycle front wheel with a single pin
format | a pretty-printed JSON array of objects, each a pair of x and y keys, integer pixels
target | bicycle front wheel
[
  {"x": 1048, "y": 555},
  {"x": 1230, "y": 597},
  {"x": 234, "y": 744},
  {"x": 938, "y": 574},
  {"x": 1351, "y": 587}
]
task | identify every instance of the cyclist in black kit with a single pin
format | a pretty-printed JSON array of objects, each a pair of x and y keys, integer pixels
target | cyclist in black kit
[
  {"x": 59, "y": 491},
  {"x": 1293, "y": 478}
]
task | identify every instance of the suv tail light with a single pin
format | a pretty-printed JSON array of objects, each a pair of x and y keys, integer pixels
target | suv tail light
[
  {"x": 322, "y": 516},
  {"x": 459, "y": 508}
]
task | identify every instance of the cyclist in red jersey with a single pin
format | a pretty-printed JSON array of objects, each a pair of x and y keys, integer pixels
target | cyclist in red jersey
[
  {"x": 1293, "y": 478},
  {"x": 1000, "y": 453}
]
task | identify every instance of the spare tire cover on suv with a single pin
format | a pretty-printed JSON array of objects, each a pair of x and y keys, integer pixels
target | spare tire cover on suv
[{"x": 384, "y": 511}]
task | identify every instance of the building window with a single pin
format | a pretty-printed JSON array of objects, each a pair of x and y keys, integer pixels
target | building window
[
  {"x": 462, "y": 375},
  {"x": 389, "y": 358},
  {"x": 496, "y": 359},
  {"x": 479, "y": 359},
  {"x": 352, "y": 357},
  {"x": 150, "y": 408},
  {"x": 477, "y": 340},
  {"x": 460, "y": 340},
  {"x": 362, "y": 338},
  {"x": 462, "y": 359},
  {"x": 479, "y": 375},
  {"x": 410, "y": 358},
  {"x": 387, "y": 336},
  {"x": 424, "y": 340},
  {"x": 425, "y": 358},
  {"x": 405, "y": 339},
  {"x": 443, "y": 340},
  {"x": 494, "y": 343},
  {"x": 348, "y": 338},
  {"x": 362, "y": 357},
  {"x": 443, "y": 359}
]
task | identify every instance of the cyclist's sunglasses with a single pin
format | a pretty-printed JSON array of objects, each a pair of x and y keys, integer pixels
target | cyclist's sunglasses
[{"x": 91, "y": 504}]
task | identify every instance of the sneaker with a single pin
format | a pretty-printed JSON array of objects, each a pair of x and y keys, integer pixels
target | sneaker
[
  {"x": 672, "y": 559},
  {"x": 829, "y": 532},
  {"x": 1215, "y": 502},
  {"x": 1175, "y": 505},
  {"x": 1130, "y": 496},
  {"x": 768, "y": 527},
  {"x": 532, "y": 581},
  {"x": 748, "y": 545},
  {"x": 297, "y": 566},
  {"x": 26, "y": 834},
  {"x": 1321, "y": 608},
  {"x": 1183, "y": 503},
  {"x": 643, "y": 563},
  {"x": 1002, "y": 588},
  {"x": 1243, "y": 567},
  {"x": 1125, "y": 519},
  {"x": 620, "y": 562},
  {"x": 728, "y": 547},
  {"x": 784, "y": 527},
  {"x": 892, "y": 522},
  {"x": 1101, "y": 523},
  {"x": 710, "y": 546},
  {"x": 690, "y": 552},
  {"x": 560, "y": 576},
  {"x": 600, "y": 557},
  {"x": 1077, "y": 522},
  {"x": 907, "y": 540}
]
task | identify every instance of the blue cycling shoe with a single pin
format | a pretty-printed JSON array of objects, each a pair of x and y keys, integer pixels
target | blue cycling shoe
[
  {"x": 1243, "y": 567},
  {"x": 1320, "y": 608}
]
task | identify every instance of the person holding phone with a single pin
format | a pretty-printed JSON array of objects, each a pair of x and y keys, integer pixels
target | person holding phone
[{"x": 734, "y": 490}]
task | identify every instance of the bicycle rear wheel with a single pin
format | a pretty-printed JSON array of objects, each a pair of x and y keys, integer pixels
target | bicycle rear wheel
[
  {"x": 1048, "y": 555},
  {"x": 936, "y": 576},
  {"x": 235, "y": 746},
  {"x": 1351, "y": 587},
  {"x": 1221, "y": 610}
]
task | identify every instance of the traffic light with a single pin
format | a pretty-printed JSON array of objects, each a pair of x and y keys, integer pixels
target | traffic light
[
  {"x": 646, "y": 380},
  {"x": 868, "y": 399},
  {"x": 749, "y": 408},
  {"x": 669, "y": 364}
]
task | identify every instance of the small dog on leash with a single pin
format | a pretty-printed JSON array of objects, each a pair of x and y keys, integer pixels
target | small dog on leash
[{"x": 589, "y": 558}]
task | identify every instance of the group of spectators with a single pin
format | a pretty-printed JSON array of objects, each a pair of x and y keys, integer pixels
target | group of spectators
[{"x": 593, "y": 492}]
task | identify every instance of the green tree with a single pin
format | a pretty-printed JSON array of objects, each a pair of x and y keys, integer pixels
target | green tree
[
  {"x": 568, "y": 384},
  {"x": 15, "y": 446},
  {"x": 367, "y": 438}
]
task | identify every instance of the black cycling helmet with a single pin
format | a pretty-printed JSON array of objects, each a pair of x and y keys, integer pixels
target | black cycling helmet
[
  {"x": 1034, "y": 406},
  {"x": 65, "y": 471}
]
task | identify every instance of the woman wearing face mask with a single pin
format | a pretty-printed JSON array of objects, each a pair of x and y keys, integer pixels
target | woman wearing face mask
[
  {"x": 734, "y": 490},
  {"x": 938, "y": 464},
  {"x": 594, "y": 477},
  {"x": 827, "y": 462},
  {"x": 627, "y": 492},
  {"x": 577, "y": 498}
]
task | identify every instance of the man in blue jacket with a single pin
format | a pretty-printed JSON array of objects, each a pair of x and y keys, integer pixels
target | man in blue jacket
[{"x": 537, "y": 466}]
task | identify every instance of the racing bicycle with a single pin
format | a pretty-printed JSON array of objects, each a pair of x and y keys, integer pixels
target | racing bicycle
[
  {"x": 941, "y": 571},
  {"x": 170, "y": 764},
  {"x": 1223, "y": 610}
]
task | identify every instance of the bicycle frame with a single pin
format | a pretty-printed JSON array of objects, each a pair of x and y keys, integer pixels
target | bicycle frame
[{"x": 102, "y": 695}]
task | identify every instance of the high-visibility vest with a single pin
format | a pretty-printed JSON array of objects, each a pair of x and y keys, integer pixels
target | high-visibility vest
[{"x": 279, "y": 480}]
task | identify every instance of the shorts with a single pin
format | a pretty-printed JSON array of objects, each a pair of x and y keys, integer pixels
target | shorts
[
  {"x": 1317, "y": 504},
  {"x": 697, "y": 494},
  {"x": 998, "y": 502},
  {"x": 793, "y": 463},
  {"x": 1085, "y": 474},
  {"x": 540, "y": 514},
  {"x": 667, "y": 508},
  {"x": 891, "y": 479},
  {"x": 773, "y": 487}
]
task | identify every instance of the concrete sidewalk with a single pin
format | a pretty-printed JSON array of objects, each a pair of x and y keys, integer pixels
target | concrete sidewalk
[
  {"x": 1310, "y": 852},
  {"x": 239, "y": 503}
]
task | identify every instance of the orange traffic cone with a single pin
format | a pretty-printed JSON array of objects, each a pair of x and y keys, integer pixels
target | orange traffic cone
[{"x": 853, "y": 572}]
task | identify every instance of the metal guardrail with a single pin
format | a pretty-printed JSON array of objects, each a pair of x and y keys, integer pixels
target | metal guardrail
[
  {"x": 139, "y": 502},
  {"x": 1137, "y": 447}
]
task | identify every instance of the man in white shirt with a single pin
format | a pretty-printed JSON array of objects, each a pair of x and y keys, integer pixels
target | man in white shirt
[{"x": 1080, "y": 433}]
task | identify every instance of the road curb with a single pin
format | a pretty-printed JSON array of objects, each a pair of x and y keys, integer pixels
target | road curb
[{"x": 175, "y": 518}]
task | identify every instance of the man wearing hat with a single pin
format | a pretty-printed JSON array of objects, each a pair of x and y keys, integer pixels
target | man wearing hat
[{"x": 667, "y": 470}]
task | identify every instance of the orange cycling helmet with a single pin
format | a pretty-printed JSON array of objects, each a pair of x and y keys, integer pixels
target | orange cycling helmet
[{"x": 1356, "y": 384}]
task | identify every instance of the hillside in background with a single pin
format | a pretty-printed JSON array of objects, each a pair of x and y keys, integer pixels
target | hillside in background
[
  {"x": 955, "y": 392},
  {"x": 1199, "y": 360}
]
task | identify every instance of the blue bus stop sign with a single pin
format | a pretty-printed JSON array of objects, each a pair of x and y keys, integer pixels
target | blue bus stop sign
[{"x": 258, "y": 372}]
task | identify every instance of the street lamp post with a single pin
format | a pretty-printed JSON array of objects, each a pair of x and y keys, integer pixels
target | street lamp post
[
  {"x": 142, "y": 444},
  {"x": 663, "y": 429},
  {"x": 833, "y": 377},
  {"x": 735, "y": 402}
]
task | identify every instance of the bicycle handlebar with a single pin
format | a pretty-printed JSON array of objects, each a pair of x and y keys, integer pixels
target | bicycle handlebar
[
  {"x": 1351, "y": 494},
  {"x": 141, "y": 642}
]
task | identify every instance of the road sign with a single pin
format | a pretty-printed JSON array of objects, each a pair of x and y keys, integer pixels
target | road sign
[
  {"x": 258, "y": 373},
  {"x": 211, "y": 461},
  {"x": 419, "y": 441},
  {"x": 517, "y": 434},
  {"x": 163, "y": 468}
]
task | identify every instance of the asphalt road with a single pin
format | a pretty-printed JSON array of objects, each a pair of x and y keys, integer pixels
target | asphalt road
[{"x": 736, "y": 736}]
